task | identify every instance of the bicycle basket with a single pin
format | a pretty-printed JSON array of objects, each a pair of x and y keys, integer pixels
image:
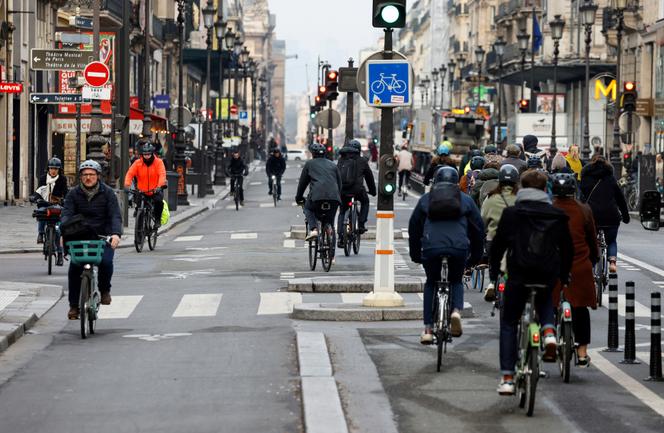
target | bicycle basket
[{"x": 86, "y": 252}]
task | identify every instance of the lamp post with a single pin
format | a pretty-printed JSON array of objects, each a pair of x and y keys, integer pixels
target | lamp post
[
  {"x": 252, "y": 135},
  {"x": 229, "y": 40},
  {"x": 244, "y": 58},
  {"x": 451, "y": 65},
  {"x": 421, "y": 86},
  {"x": 426, "y": 82},
  {"x": 219, "y": 166},
  {"x": 237, "y": 49},
  {"x": 499, "y": 48},
  {"x": 95, "y": 139},
  {"x": 557, "y": 26},
  {"x": 479, "y": 58},
  {"x": 434, "y": 78},
  {"x": 443, "y": 73},
  {"x": 461, "y": 62},
  {"x": 588, "y": 13},
  {"x": 179, "y": 159},
  {"x": 523, "y": 38},
  {"x": 619, "y": 6},
  {"x": 209, "y": 13}
]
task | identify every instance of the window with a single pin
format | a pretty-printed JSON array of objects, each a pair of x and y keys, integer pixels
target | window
[{"x": 40, "y": 11}]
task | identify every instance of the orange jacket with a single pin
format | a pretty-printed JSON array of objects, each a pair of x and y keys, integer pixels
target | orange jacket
[{"x": 148, "y": 177}]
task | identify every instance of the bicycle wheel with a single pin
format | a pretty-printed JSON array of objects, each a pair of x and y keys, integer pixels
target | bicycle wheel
[
  {"x": 49, "y": 240},
  {"x": 442, "y": 335},
  {"x": 313, "y": 253},
  {"x": 356, "y": 231},
  {"x": 152, "y": 232},
  {"x": 139, "y": 236},
  {"x": 83, "y": 303},
  {"x": 327, "y": 244},
  {"x": 399, "y": 86},
  {"x": 274, "y": 192},
  {"x": 378, "y": 87},
  {"x": 531, "y": 379},
  {"x": 347, "y": 240},
  {"x": 566, "y": 348}
]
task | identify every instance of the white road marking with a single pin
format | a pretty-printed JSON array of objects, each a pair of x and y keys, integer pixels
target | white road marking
[
  {"x": 195, "y": 259},
  {"x": 266, "y": 205},
  {"x": 7, "y": 297},
  {"x": 278, "y": 303},
  {"x": 157, "y": 337},
  {"x": 244, "y": 236},
  {"x": 640, "y": 310},
  {"x": 644, "y": 265},
  {"x": 287, "y": 234},
  {"x": 353, "y": 298},
  {"x": 188, "y": 238},
  {"x": 205, "y": 248},
  {"x": 199, "y": 305},
  {"x": 289, "y": 243},
  {"x": 120, "y": 308},
  {"x": 638, "y": 390},
  {"x": 286, "y": 276},
  {"x": 181, "y": 275},
  {"x": 256, "y": 183}
]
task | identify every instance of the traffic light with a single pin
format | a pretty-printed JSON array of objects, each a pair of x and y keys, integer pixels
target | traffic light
[
  {"x": 320, "y": 98},
  {"x": 388, "y": 175},
  {"x": 312, "y": 111},
  {"x": 627, "y": 161},
  {"x": 332, "y": 84},
  {"x": 629, "y": 97},
  {"x": 524, "y": 105},
  {"x": 389, "y": 14}
]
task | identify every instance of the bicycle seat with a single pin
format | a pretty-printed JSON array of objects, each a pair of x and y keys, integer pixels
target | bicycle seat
[{"x": 536, "y": 287}]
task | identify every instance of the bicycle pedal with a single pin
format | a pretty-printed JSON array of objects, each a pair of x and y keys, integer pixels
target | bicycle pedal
[{"x": 543, "y": 374}]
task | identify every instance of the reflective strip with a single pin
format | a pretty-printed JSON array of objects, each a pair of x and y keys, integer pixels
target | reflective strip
[
  {"x": 388, "y": 215},
  {"x": 384, "y": 252}
]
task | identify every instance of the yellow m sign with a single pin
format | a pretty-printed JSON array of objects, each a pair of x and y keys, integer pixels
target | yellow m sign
[{"x": 600, "y": 88}]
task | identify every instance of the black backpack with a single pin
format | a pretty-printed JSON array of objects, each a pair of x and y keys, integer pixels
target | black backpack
[
  {"x": 535, "y": 248},
  {"x": 349, "y": 172},
  {"x": 444, "y": 202}
]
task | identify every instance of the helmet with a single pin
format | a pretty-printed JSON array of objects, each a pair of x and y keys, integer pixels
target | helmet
[
  {"x": 276, "y": 150},
  {"x": 443, "y": 149},
  {"x": 564, "y": 184},
  {"x": 54, "y": 163},
  {"x": 317, "y": 149},
  {"x": 446, "y": 174},
  {"x": 475, "y": 152},
  {"x": 508, "y": 175},
  {"x": 355, "y": 144},
  {"x": 94, "y": 165},
  {"x": 534, "y": 162},
  {"x": 477, "y": 163},
  {"x": 146, "y": 148},
  {"x": 490, "y": 150}
]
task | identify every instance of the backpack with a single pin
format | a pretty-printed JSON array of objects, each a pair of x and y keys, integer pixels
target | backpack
[
  {"x": 535, "y": 248},
  {"x": 444, "y": 202},
  {"x": 348, "y": 170}
]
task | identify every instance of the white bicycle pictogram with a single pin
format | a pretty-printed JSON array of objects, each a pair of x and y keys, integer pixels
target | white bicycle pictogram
[{"x": 392, "y": 84}]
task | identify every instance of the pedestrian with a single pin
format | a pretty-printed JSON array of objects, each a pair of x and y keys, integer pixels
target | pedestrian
[
  {"x": 574, "y": 161},
  {"x": 600, "y": 190},
  {"x": 514, "y": 158},
  {"x": 405, "y": 161},
  {"x": 559, "y": 164}
]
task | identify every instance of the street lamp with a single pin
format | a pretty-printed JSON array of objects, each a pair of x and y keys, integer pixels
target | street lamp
[
  {"x": 209, "y": 13},
  {"x": 219, "y": 170},
  {"x": 443, "y": 73},
  {"x": 451, "y": 65},
  {"x": 619, "y": 6},
  {"x": 426, "y": 83},
  {"x": 421, "y": 86},
  {"x": 588, "y": 12},
  {"x": 499, "y": 48},
  {"x": 479, "y": 58},
  {"x": 229, "y": 40},
  {"x": 523, "y": 39},
  {"x": 179, "y": 158},
  {"x": 557, "y": 26},
  {"x": 461, "y": 62},
  {"x": 237, "y": 49},
  {"x": 434, "y": 77}
]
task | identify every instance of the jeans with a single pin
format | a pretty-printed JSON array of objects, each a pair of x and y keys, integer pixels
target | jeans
[
  {"x": 104, "y": 276},
  {"x": 237, "y": 180},
  {"x": 432, "y": 268},
  {"x": 269, "y": 185},
  {"x": 363, "y": 198},
  {"x": 514, "y": 301},
  {"x": 611, "y": 238},
  {"x": 404, "y": 174},
  {"x": 41, "y": 228}
]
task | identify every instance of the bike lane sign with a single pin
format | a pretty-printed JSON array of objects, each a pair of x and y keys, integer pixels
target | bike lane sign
[{"x": 389, "y": 83}]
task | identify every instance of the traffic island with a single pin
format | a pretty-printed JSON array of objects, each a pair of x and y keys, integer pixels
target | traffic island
[
  {"x": 342, "y": 312},
  {"x": 349, "y": 284},
  {"x": 299, "y": 233}
]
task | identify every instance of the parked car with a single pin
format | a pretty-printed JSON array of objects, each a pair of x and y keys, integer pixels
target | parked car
[{"x": 298, "y": 155}]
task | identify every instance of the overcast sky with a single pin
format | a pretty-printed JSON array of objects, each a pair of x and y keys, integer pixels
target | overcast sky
[{"x": 333, "y": 29}]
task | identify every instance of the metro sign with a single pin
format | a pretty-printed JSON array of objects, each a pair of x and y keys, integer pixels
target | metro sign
[
  {"x": 6, "y": 87},
  {"x": 96, "y": 74}
]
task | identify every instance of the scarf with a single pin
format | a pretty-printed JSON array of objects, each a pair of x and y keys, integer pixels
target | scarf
[
  {"x": 90, "y": 192},
  {"x": 50, "y": 185},
  {"x": 532, "y": 194},
  {"x": 575, "y": 165}
]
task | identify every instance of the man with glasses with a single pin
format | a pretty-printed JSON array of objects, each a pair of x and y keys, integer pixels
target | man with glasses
[{"x": 96, "y": 204}]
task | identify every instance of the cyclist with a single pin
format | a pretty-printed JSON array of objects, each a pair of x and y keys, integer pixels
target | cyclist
[
  {"x": 581, "y": 290},
  {"x": 486, "y": 181},
  {"x": 600, "y": 190},
  {"x": 539, "y": 251},
  {"x": 53, "y": 189},
  {"x": 442, "y": 159},
  {"x": 514, "y": 158},
  {"x": 534, "y": 162},
  {"x": 491, "y": 154},
  {"x": 354, "y": 171},
  {"x": 236, "y": 170},
  {"x": 97, "y": 204},
  {"x": 405, "y": 159},
  {"x": 445, "y": 222},
  {"x": 324, "y": 182},
  {"x": 150, "y": 174},
  {"x": 275, "y": 166},
  {"x": 467, "y": 182}
]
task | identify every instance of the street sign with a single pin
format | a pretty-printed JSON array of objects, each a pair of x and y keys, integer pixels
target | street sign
[
  {"x": 234, "y": 109},
  {"x": 96, "y": 74},
  {"x": 388, "y": 83},
  {"x": 161, "y": 102},
  {"x": 73, "y": 38},
  {"x": 186, "y": 116},
  {"x": 361, "y": 79},
  {"x": 97, "y": 93},
  {"x": 56, "y": 98},
  {"x": 59, "y": 60},
  {"x": 322, "y": 119},
  {"x": 629, "y": 122},
  {"x": 81, "y": 22},
  {"x": 243, "y": 117},
  {"x": 6, "y": 87},
  {"x": 348, "y": 79}
]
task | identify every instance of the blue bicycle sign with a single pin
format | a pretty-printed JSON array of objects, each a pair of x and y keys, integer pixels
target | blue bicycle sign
[
  {"x": 391, "y": 84},
  {"x": 388, "y": 83}
]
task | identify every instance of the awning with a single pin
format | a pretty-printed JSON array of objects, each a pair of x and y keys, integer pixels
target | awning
[
  {"x": 567, "y": 73},
  {"x": 159, "y": 123}
]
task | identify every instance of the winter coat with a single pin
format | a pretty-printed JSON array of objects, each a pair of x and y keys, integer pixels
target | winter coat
[
  {"x": 457, "y": 238},
  {"x": 581, "y": 290},
  {"x": 405, "y": 160},
  {"x": 364, "y": 173},
  {"x": 486, "y": 175},
  {"x": 148, "y": 177},
  {"x": 322, "y": 178},
  {"x": 237, "y": 167},
  {"x": 601, "y": 191},
  {"x": 492, "y": 210},
  {"x": 520, "y": 164},
  {"x": 437, "y": 162},
  {"x": 101, "y": 213},
  {"x": 59, "y": 189},
  {"x": 275, "y": 166}
]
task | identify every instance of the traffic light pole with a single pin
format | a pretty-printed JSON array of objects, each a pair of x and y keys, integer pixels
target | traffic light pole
[
  {"x": 349, "y": 111},
  {"x": 330, "y": 135},
  {"x": 383, "y": 294}
]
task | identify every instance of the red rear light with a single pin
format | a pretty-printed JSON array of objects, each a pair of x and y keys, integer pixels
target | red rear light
[
  {"x": 567, "y": 313},
  {"x": 53, "y": 212},
  {"x": 501, "y": 287},
  {"x": 350, "y": 203},
  {"x": 536, "y": 337}
]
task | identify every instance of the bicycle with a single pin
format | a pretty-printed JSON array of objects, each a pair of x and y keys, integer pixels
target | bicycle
[
  {"x": 237, "y": 191},
  {"x": 275, "y": 188},
  {"x": 88, "y": 254},
  {"x": 145, "y": 225},
  {"x": 50, "y": 214},
  {"x": 600, "y": 270},
  {"x": 565, "y": 337},
  {"x": 528, "y": 355},
  {"x": 322, "y": 246},
  {"x": 629, "y": 189},
  {"x": 442, "y": 312},
  {"x": 379, "y": 86},
  {"x": 351, "y": 233},
  {"x": 498, "y": 302}
]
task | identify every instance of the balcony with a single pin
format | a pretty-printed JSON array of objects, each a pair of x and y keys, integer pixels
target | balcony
[{"x": 508, "y": 9}]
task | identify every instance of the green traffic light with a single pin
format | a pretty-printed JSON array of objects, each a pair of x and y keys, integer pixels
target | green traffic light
[
  {"x": 390, "y": 14},
  {"x": 389, "y": 188}
]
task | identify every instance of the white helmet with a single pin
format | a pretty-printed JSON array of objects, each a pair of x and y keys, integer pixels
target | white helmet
[{"x": 94, "y": 165}]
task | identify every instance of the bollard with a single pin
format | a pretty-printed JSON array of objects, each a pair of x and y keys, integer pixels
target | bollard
[
  {"x": 613, "y": 336},
  {"x": 630, "y": 325},
  {"x": 655, "y": 337}
]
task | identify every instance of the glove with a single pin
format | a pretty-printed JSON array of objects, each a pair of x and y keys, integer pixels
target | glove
[
  {"x": 299, "y": 200},
  {"x": 157, "y": 190},
  {"x": 626, "y": 218}
]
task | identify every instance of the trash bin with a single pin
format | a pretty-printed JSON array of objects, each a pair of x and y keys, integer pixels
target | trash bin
[{"x": 172, "y": 190}]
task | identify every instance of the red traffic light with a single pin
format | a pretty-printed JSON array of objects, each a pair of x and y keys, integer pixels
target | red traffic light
[
  {"x": 627, "y": 156},
  {"x": 630, "y": 86},
  {"x": 329, "y": 148},
  {"x": 332, "y": 75},
  {"x": 322, "y": 89},
  {"x": 317, "y": 99}
]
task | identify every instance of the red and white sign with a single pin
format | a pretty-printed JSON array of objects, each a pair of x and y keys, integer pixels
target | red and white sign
[
  {"x": 99, "y": 93},
  {"x": 234, "y": 109},
  {"x": 11, "y": 87},
  {"x": 96, "y": 74}
]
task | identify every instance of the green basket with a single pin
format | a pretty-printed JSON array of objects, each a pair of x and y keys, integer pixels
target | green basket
[{"x": 86, "y": 252}]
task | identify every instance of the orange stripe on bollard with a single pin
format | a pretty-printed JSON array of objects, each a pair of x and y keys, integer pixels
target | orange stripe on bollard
[
  {"x": 387, "y": 215},
  {"x": 384, "y": 252}
]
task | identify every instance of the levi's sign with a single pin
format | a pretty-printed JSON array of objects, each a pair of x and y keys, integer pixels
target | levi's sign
[{"x": 59, "y": 60}]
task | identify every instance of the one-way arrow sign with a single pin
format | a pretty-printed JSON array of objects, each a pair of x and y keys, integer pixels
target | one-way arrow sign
[
  {"x": 59, "y": 60},
  {"x": 57, "y": 98}
]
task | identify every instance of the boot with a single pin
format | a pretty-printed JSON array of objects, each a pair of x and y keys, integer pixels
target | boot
[
  {"x": 40, "y": 238},
  {"x": 60, "y": 259}
]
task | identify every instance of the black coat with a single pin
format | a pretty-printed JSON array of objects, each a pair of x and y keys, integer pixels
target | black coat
[
  {"x": 607, "y": 200},
  {"x": 59, "y": 189},
  {"x": 275, "y": 166},
  {"x": 364, "y": 173},
  {"x": 322, "y": 178},
  {"x": 237, "y": 167},
  {"x": 101, "y": 213}
]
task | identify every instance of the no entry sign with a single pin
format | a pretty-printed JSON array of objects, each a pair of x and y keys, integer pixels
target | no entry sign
[{"x": 96, "y": 74}]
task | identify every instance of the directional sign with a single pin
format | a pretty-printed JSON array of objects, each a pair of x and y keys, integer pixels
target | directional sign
[
  {"x": 6, "y": 87},
  {"x": 388, "y": 83},
  {"x": 73, "y": 38},
  {"x": 59, "y": 60},
  {"x": 56, "y": 98},
  {"x": 161, "y": 102},
  {"x": 97, "y": 93},
  {"x": 96, "y": 74},
  {"x": 81, "y": 22}
]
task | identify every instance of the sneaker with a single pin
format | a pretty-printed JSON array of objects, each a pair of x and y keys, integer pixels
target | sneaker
[
  {"x": 105, "y": 298},
  {"x": 362, "y": 229},
  {"x": 490, "y": 293},
  {"x": 550, "y": 347},
  {"x": 455, "y": 324},
  {"x": 583, "y": 362},
  {"x": 278, "y": 198},
  {"x": 427, "y": 336},
  {"x": 506, "y": 387},
  {"x": 269, "y": 193},
  {"x": 340, "y": 243},
  {"x": 612, "y": 267},
  {"x": 73, "y": 313},
  {"x": 313, "y": 234},
  {"x": 40, "y": 238},
  {"x": 60, "y": 260}
]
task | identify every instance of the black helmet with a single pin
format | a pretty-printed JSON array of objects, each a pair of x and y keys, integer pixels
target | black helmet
[
  {"x": 534, "y": 162},
  {"x": 476, "y": 152},
  {"x": 355, "y": 144},
  {"x": 508, "y": 175},
  {"x": 146, "y": 149},
  {"x": 490, "y": 150},
  {"x": 564, "y": 185},
  {"x": 54, "y": 163},
  {"x": 446, "y": 174},
  {"x": 477, "y": 163},
  {"x": 317, "y": 149}
]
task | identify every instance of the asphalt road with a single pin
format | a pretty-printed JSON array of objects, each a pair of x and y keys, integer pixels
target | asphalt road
[{"x": 200, "y": 341}]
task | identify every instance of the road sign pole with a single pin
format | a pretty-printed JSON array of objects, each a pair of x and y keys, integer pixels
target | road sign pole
[
  {"x": 383, "y": 294},
  {"x": 95, "y": 140},
  {"x": 330, "y": 131},
  {"x": 349, "y": 111}
]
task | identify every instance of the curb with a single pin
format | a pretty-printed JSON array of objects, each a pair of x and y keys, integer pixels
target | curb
[
  {"x": 33, "y": 302},
  {"x": 340, "y": 312},
  {"x": 347, "y": 284}
]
